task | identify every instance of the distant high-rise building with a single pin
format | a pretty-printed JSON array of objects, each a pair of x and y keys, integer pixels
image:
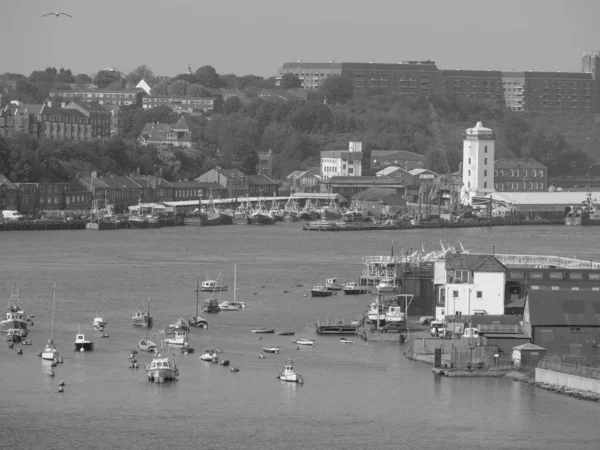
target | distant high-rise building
[{"x": 590, "y": 63}]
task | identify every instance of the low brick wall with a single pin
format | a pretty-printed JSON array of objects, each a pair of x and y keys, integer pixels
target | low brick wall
[{"x": 567, "y": 380}]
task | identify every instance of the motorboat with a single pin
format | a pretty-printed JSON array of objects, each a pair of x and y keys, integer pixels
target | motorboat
[
  {"x": 185, "y": 349},
  {"x": 264, "y": 330},
  {"x": 226, "y": 306},
  {"x": 163, "y": 366},
  {"x": 285, "y": 333},
  {"x": 309, "y": 342},
  {"x": 333, "y": 284},
  {"x": 16, "y": 335},
  {"x": 82, "y": 344},
  {"x": 394, "y": 314},
  {"x": 99, "y": 323},
  {"x": 15, "y": 316},
  {"x": 320, "y": 291},
  {"x": 271, "y": 349},
  {"x": 209, "y": 355},
  {"x": 375, "y": 313},
  {"x": 211, "y": 306},
  {"x": 345, "y": 340},
  {"x": 386, "y": 284},
  {"x": 289, "y": 373},
  {"x": 142, "y": 318},
  {"x": 145, "y": 344},
  {"x": 179, "y": 337},
  {"x": 212, "y": 286},
  {"x": 353, "y": 288}
]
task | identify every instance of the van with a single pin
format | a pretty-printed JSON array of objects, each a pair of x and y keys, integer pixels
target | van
[{"x": 11, "y": 215}]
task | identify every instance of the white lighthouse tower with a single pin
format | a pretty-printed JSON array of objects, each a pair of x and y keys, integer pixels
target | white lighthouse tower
[{"x": 478, "y": 162}]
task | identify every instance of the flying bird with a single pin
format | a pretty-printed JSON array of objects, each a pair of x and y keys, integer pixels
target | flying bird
[{"x": 57, "y": 14}]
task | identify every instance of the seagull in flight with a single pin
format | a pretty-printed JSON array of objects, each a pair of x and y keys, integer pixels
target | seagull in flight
[{"x": 57, "y": 14}]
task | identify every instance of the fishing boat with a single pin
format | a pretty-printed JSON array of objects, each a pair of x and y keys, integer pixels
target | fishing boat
[
  {"x": 386, "y": 285},
  {"x": 264, "y": 330},
  {"x": 99, "y": 323},
  {"x": 179, "y": 337},
  {"x": 394, "y": 314},
  {"x": 145, "y": 344},
  {"x": 144, "y": 217},
  {"x": 50, "y": 352},
  {"x": 271, "y": 349},
  {"x": 142, "y": 318},
  {"x": 213, "y": 285},
  {"x": 353, "y": 288},
  {"x": 260, "y": 215},
  {"x": 15, "y": 316},
  {"x": 375, "y": 313},
  {"x": 163, "y": 366},
  {"x": 320, "y": 291},
  {"x": 16, "y": 335},
  {"x": 333, "y": 284},
  {"x": 211, "y": 305},
  {"x": 211, "y": 217},
  {"x": 289, "y": 373},
  {"x": 234, "y": 305},
  {"x": 209, "y": 355},
  {"x": 179, "y": 324},
  {"x": 345, "y": 340},
  {"x": 197, "y": 321},
  {"x": 309, "y": 342},
  {"x": 81, "y": 343}
]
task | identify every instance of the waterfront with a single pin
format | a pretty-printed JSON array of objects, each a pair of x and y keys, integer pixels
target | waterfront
[{"x": 363, "y": 395}]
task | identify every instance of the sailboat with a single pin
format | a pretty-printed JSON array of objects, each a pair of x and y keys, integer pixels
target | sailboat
[
  {"x": 145, "y": 344},
  {"x": 196, "y": 320},
  {"x": 50, "y": 353},
  {"x": 234, "y": 305}
]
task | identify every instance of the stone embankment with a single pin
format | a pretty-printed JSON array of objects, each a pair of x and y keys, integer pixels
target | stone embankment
[{"x": 577, "y": 393}]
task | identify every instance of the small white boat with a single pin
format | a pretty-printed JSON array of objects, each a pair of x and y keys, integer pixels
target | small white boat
[
  {"x": 212, "y": 286},
  {"x": 345, "y": 340},
  {"x": 320, "y": 291},
  {"x": 99, "y": 323},
  {"x": 226, "y": 306},
  {"x": 303, "y": 341},
  {"x": 209, "y": 355},
  {"x": 271, "y": 349},
  {"x": 386, "y": 285},
  {"x": 50, "y": 352},
  {"x": 333, "y": 284},
  {"x": 375, "y": 313},
  {"x": 353, "y": 288},
  {"x": 163, "y": 367},
  {"x": 146, "y": 345},
  {"x": 179, "y": 337},
  {"x": 394, "y": 314},
  {"x": 82, "y": 344},
  {"x": 289, "y": 373}
]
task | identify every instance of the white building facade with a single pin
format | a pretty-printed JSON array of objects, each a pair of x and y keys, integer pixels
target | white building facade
[
  {"x": 478, "y": 162},
  {"x": 469, "y": 284},
  {"x": 342, "y": 163}
]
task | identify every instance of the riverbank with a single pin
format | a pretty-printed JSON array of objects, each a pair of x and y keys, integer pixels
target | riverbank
[{"x": 563, "y": 390}]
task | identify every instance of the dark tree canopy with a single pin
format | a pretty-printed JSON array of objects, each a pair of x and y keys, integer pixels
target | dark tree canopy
[
  {"x": 290, "y": 81},
  {"x": 337, "y": 89}
]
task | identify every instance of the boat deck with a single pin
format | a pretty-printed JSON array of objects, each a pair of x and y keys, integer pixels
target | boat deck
[{"x": 336, "y": 326}]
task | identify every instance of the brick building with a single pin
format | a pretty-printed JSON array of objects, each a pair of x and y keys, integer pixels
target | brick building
[
  {"x": 8, "y": 194},
  {"x": 474, "y": 85},
  {"x": 177, "y": 135},
  {"x": 520, "y": 174},
  {"x": 182, "y": 104},
  {"x": 233, "y": 180},
  {"x": 76, "y": 121},
  {"x": 121, "y": 97},
  {"x": 400, "y": 158}
]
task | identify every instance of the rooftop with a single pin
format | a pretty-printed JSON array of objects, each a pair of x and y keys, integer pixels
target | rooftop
[
  {"x": 473, "y": 262},
  {"x": 397, "y": 154},
  {"x": 518, "y": 163},
  {"x": 569, "y": 308},
  {"x": 543, "y": 198}
]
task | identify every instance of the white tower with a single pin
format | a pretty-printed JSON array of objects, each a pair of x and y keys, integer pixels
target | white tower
[{"x": 478, "y": 162}]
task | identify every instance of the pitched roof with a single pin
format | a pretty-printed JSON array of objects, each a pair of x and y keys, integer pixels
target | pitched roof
[
  {"x": 475, "y": 263},
  {"x": 7, "y": 182},
  {"x": 390, "y": 169},
  {"x": 397, "y": 154},
  {"x": 568, "y": 308},
  {"x": 181, "y": 125},
  {"x": 261, "y": 180},
  {"x": 528, "y": 346},
  {"x": 518, "y": 163},
  {"x": 363, "y": 181},
  {"x": 150, "y": 180},
  {"x": 421, "y": 171}
]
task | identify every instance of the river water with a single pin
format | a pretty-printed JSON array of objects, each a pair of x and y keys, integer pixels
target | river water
[{"x": 360, "y": 395}]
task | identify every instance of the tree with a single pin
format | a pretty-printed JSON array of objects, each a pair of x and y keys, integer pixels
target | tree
[
  {"x": 106, "y": 77},
  {"x": 197, "y": 90},
  {"x": 232, "y": 105},
  {"x": 290, "y": 81},
  {"x": 337, "y": 89},
  {"x": 142, "y": 72},
  {"x": 208, "y": 76},
  {"x": 64, "y": 76},
  {"x": 178, "y": 88},
  {"x": 160, "y": 89},
  {"x": 82, "y": 79}
]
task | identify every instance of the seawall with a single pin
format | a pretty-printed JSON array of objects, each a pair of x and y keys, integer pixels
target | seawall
[{"x": 566, "y": 380}]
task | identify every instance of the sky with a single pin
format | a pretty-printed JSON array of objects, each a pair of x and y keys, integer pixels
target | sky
[{"x": 244, "y": 37}]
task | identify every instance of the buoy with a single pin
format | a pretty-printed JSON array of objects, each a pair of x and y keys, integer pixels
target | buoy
[
  {"x": 285, "y": 291},
  {"x": 261, "y": 356},
  {"x": 51, "y": 374},
  {"x": 19, "y": 351},
  {"x": 60, "y": 360},
  {"x": 297, "y": 348},
  {"x": 54, "y": 364},
  {"x": 137, "y": 366},
  {"x": 61, "y": 389},
  {"x": 10, "y": 344},
  {"x": 62, "y": 383},
  {"x": 39, "y": 354},
  {"x": 82, "y": 349}
]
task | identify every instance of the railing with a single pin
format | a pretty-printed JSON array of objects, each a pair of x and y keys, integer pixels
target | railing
[
  {"x": 499, "y": 328},
  {"x": 572, "y": 369}
]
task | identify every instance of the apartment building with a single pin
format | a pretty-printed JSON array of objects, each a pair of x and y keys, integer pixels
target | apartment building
[
  {"x": 342, "y": 163},
  {"x": 520, "y": 175},
  {"x": 474, "y": 85},
  {"x": 189, "y": 105},
  {"x": 121, "y": 97}
]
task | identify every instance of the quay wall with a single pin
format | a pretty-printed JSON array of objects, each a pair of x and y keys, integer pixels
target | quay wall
[{"x": 567, "y": 380}]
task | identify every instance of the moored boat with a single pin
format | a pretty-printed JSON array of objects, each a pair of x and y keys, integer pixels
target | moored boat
[
  {"x": 82, "y": 344},
  {"x": 179, "y": 337},
  {"x": 386, "y": 285},
  {"x": 333, "y": 284},
  {"x": 271, "y": 349},
  {"x": 142, "y": 318},
  {"x": 264, "y": 330},
  {"x": 285, "y": 333},
  {"x": 303, "y": 341},
  {"x": 261, "y": 218},
  {"x": 345, "y": 340},
  {"x": 211, "y": 306},
  {"x": 15, "y": 316},
  {"x": 197, "y": 321},
  {"x": 353, "y": 288},
  {"x": 163, "y": 366},
  {"x": 209, "y": 355},
  {"x": 99, "y": 323},
  {"x": 320, "y": 291},
  {"x": 289, "y": 373},
  {"x": 212, "y": 286},
  {"x": 50, "y": 352},
  {"x": 145, "y": 344},
  {"x": 226, "y": 306},
  {"x": 394, "y": 314},
  {"x": 16, "y": 335}
]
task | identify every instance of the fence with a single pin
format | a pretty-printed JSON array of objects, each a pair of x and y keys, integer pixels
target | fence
[{"x": 572, "y": 369}]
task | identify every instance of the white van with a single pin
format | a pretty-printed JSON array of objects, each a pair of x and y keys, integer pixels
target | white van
[{"x": 11, "y": 215}]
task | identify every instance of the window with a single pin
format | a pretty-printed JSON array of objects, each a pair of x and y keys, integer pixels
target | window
[
  {"x": 485, "y": 173},
  {"x": 469, "y": 184},
  {"x": 524, "y": 172},
  {"x": 496, "y": 186},
  {"x": 534, "y": 173},
  {"x": 469, "y": 173},
  {"x": 540, "y": 173},
  {"x": 479, "y": 294},
  {"x": 469, "y": 161},
  {"x": 512, "y": 173},
  {"x": 541, "y": 185},
  {"x": 524, "y": 185},
  {"x": 517, "y": 173},
  {"x": 530, "y": 185},
  {"x": 454, "y": 294},
  {"x": 502, "y": 173},
  {"x": 485, "y": 161},
  {"x": 485, "y": 149},
  {"x": 496, "y": 173},
  {"x": 485, "y": 184}
]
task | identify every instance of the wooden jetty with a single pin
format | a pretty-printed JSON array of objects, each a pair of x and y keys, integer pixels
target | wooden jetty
[{"x": 336, "y": 326}]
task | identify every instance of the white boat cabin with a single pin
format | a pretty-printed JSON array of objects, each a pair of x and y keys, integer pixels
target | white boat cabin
[
  {"x": 386, "y": 285},
  {"x": 319, "y": 288}
]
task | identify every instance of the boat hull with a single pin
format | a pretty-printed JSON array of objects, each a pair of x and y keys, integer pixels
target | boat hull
[
  {"x": 161, "y": 375},
  {"x": 86, "y": 346},
  {"x": 50, "y": 355},
  {"x": 197, "y": 322},
  {"x": 261, "y": 219},
  {"x": 142, "y": 322},
  {"x": 271, "y": 350},
  {"x": 264, "y": 331},
  {"x": 146, "y": 346},
  {"x": 356, "y": 291},
  {"x": 216, "y": 219},
  {"x": 6, "y": 325},
  {"x": 321, "y": 293},
  {"x": 295, "y": 378}
]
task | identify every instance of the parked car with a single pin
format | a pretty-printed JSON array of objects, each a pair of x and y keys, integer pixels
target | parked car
[
  {"x": 393, "y": 328},
  {"x": 438, "y": 329},
  {"x": 11, "y": 215}
]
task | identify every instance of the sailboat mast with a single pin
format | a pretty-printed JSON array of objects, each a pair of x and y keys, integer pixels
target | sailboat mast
[
  {"x": 148, "y": 324},
  {"x": 53, "y": 304},
  {"x": 234, "y": 283},
  {"x": 197, "y": 292}
]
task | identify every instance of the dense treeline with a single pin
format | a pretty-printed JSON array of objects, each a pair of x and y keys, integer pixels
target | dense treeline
[{"x": 295, "y": 131}]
